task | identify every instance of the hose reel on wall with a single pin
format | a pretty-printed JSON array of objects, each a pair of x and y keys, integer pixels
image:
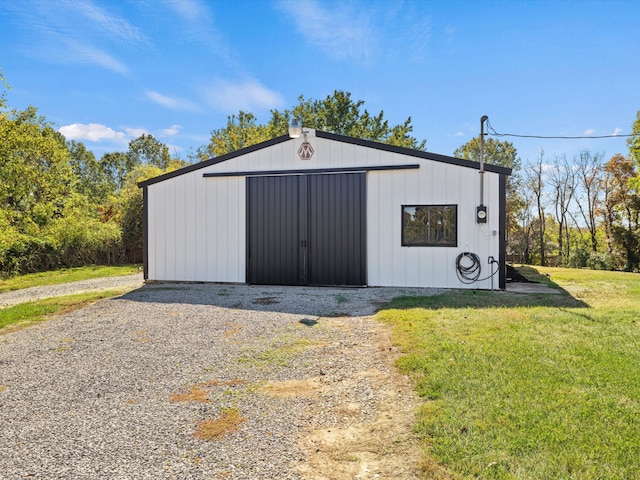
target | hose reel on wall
[{"x": 468, "y": 268}]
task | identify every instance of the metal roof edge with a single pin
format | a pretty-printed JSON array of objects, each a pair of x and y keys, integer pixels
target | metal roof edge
[
  {"x": 213, "y": 161},
  {"x": 335, "y": 137},
  {"x": 413, "y": 153}
]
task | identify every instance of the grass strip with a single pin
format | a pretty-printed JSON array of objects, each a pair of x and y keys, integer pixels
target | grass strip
[
  {"x": 527, "y": 386},
  {"x": 65, "y": 275},
  {"x": 24, "y": 314}
]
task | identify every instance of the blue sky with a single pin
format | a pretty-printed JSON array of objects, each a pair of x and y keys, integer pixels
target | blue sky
[{"x": 106, "y": 71}]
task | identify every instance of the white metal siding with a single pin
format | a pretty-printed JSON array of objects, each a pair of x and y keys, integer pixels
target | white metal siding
[
  {"x": 390, "y": 263},
  {"x": 196, "y": 229},
  {"x": 196, "y": 225}
]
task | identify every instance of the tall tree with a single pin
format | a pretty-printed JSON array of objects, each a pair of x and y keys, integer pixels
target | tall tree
[
  {"x": 337, "y": 113},
  {"x": 92, "y": 180},
  {"x": 622, "y": 206},
  {"x": 562, "y": 180},
  {"x": 116, "y": 166},
  {"x": 634, "y": 140},
  {"x": 495, "y": 152},
  {"x": 534, "y": 180},
  {"x": 146, "y": 150},
  {"x": 521, "y": 239},
  {"x": 3, "y": 96},
  {"x": 588, "y": 170},
  {"x": 241, "y": 131},
  {"x": 35, "y": 177}
]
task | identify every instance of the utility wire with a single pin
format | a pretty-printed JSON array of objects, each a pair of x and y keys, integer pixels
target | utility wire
[{"x": 493, "y": 133}]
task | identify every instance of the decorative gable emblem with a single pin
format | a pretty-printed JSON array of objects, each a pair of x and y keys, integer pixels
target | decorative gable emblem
[{"x": 305, "y": 152}]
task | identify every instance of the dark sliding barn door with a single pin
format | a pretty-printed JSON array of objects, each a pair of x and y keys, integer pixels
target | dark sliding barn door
[
  {"x": 307, "y": 229},
  {"x": 274, "y": 239}
]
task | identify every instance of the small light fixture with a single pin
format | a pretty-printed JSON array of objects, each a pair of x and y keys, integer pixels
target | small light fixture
[{"x": 295, "y": 130}]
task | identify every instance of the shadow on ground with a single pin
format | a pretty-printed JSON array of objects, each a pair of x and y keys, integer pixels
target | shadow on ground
[
  {"x": 314, "y": 301},
  {"x": 347, "y": 302},
  {"x": 531, "y": 289}
]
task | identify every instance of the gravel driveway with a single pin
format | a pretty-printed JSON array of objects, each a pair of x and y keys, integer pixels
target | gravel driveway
[{"x": 118, "y": 390}]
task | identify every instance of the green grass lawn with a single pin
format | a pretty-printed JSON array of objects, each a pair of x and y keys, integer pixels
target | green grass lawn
[
  {"x": 527, "y": 386},
  {"x": 25, "y": 314},
  {"x": 65, "y": 275}
]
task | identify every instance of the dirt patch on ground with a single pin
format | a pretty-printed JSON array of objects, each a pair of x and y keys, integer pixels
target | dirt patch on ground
[
  {"x": 380, "y": 445},
  {"x": 308, "y": 388}
]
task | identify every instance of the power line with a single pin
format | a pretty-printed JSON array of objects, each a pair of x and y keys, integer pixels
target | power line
[{"x": 493, "y": 133}]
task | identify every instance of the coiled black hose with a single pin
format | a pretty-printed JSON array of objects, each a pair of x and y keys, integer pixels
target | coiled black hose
[
  {"x": 471, "y": 273},
  {"x": 468, "y": 273}
]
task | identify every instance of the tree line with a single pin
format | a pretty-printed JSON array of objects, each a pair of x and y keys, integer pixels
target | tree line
[
  {"x": 582, "y": 212},
  {"x": 62, "y": 207}
]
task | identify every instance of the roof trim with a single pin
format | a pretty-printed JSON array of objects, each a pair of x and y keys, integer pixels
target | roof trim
[
  {"x": 335, "y": 137},
  {"x": 413, "y": 153},
  {"x": 311, "y": 171},
  {"x": 214, "y": 161}
]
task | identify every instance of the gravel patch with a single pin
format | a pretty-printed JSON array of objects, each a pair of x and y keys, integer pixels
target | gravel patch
[
  {"x": 91, "y": 394},
  {"x": 38, "y": 293}
]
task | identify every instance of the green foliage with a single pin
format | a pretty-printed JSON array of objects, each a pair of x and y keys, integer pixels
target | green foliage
[
  {"x": 622, "y": 209},
  {"x": 126, "y": 207},
  {"x": 146, "y": 150},
  {"x": 545, "y": 388},
  {"x": 92, "y": 179},
  {"x": 116, "y": 166},
  {"x": 36, "y": 183},
  {"x": 602, "y": 261},
  {"x": 60, "y": 207},
  {"x": 634, "y": 140},
  {"x": 496, "y": 152},
  {"x": 128, "y": 204},
  {"x": 337, "y": 113},
  {"x": 80, "y": 238},
  {"x": 579, "y": 257},
  {"x": 241, "y": 131},
  {"x": 3, "y": 97},
  {"x": 35, "y": 177}
]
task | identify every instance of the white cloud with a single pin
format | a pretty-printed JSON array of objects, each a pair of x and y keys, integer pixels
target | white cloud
[
  {"x": 341, "y": 32},
  {"x": 72, "y": 31},
  {"x": 617, "y": 132},
  {"x": 92, "y": 132},
  {"x": 171, "y": 103},
  {"x": 196, "y": 24},
  {"x": 97, "y": 133},
  {"x": 135, "y": 132},
  {"x": 189, "y": 10},
  {"x": 248, "y": 95},
  {"x": 590, "y": 131},
  {"x": 172, "y": 131},
  {"x": 86, "y": 54},
  {"x": 459, "y": 134},
  {"x": 114, "y": 26}
]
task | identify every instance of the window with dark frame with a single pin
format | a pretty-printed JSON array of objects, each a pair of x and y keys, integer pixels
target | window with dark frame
[{"x": 430, "y": 225}]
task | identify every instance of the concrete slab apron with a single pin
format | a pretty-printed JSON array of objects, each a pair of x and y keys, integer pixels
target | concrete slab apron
[{"x": 531, "y": 288}]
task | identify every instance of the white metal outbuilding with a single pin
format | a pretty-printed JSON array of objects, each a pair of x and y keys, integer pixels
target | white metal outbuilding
[{"x": 327, "y": 209}]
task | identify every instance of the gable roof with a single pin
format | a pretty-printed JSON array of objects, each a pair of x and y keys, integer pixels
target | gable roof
[{"x": 337, "y": 138}]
